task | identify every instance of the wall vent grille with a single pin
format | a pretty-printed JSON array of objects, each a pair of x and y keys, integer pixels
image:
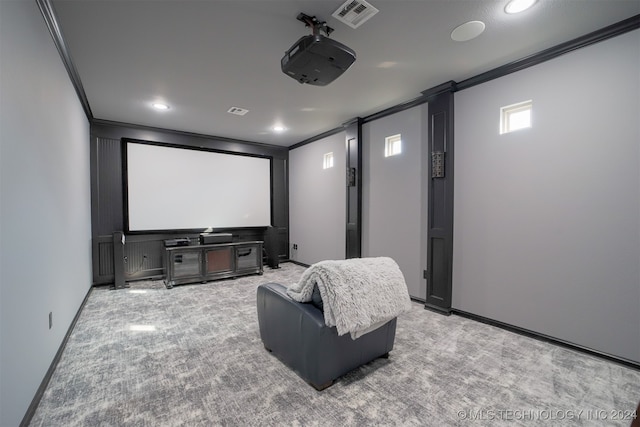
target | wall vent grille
[{"x": 354, "y": 12}]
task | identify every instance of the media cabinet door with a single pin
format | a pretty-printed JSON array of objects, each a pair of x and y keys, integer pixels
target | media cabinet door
[
  {"x": 248, "y": 257},
  {"x": 218, "y": 260},
  {"x": 186, "y": 264}
]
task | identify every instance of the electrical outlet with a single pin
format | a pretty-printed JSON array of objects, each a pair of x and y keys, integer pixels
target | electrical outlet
[
  {"x": 50, "y": 319},
  {"x": 295, "y": 246}
]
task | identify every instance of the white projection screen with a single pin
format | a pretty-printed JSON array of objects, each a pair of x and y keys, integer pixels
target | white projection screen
[{"x": 178, "y": 188}]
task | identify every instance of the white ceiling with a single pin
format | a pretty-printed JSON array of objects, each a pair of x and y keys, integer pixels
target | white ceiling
[{"x": 203, "y": 57}]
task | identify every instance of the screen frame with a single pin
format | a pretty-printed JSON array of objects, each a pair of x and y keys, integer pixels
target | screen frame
[{"x": 125, "y": 188}]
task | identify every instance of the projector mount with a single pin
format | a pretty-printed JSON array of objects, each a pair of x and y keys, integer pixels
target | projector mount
[{"x": 315, "y": 24}]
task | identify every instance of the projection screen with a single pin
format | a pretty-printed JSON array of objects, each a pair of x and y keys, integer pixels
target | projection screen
[{"x": 179, "y": 188}]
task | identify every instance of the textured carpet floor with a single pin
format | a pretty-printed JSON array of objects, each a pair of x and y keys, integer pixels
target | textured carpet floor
[{"x": 192, "y": 356}]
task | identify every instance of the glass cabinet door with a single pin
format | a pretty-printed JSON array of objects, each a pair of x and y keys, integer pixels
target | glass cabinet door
[
  {"x": 186, "y": 264},
  {"x": 219, "y": 260},
  {"x": 247, "y": 257}
]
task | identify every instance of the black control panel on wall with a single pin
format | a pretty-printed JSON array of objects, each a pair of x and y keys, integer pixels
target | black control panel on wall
[{"x": 351, "y": 177}]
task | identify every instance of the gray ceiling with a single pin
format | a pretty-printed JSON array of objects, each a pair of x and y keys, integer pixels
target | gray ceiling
[{"x": 203, "y": 57}]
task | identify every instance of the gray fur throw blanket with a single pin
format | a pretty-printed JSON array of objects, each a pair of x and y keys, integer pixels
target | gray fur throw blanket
[{"x": 358, "y": 294}]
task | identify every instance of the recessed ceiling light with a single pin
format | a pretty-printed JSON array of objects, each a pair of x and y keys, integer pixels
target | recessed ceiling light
[
  {"x": 467, "y": 31},
  {"x": 386, "y": 64},
  {"x": 279, "y": 128},
  {"x": 517, "y": 6},
  {"x": 160, "y": 106}
]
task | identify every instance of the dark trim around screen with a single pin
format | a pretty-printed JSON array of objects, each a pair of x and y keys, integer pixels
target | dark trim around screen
[{"x": 125, "y": 187}]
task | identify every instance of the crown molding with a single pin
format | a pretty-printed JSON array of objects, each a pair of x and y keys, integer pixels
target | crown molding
[{"x": 49, "y": 15}]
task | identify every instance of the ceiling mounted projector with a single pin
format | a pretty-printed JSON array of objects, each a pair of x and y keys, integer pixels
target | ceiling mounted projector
[{"x": 315, "y": 59}]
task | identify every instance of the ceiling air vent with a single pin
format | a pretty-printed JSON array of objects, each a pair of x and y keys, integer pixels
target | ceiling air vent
[
  {"x": 238, "y": 111},
  {"x": 354, "y": 12}
]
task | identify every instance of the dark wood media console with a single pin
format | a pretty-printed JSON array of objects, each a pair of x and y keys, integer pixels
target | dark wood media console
[{"x": 202, "y": 263}]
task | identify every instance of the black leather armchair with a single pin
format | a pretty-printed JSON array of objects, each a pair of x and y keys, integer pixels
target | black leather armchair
[{"x": 297, "y": 335}]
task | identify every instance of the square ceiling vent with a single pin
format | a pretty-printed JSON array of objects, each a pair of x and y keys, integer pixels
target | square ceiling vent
[
  {"x": 238, "y": 111},
  {"x": 354, "y": 12}
]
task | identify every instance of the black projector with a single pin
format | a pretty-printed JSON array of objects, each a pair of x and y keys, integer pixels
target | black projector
[{"x": 317, "y": 60}]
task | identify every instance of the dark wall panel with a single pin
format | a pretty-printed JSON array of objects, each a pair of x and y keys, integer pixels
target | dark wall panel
[
  {"x": 106, "y": 204},
  {"x": 107, "y": 201},
  {"x": 105, "y": 259},
  {"x": 280, "y": 193},
  {"x": 143, "y": 254},
  {"x": 353, "y": 182},
  {"x": 440, "y": 200}
]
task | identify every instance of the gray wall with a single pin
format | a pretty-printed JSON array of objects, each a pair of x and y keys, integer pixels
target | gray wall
[
  {"x": 317, "y": 201},
  {"x": 547, "y": 220},
  {"x": 393, "y": 197},
  {"x": 45, "y": 209}
]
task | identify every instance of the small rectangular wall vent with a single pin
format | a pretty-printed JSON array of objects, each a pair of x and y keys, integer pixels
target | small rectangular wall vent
[
  {"x": 238, "y": 111},
  {"x": 354, "y": 12}
]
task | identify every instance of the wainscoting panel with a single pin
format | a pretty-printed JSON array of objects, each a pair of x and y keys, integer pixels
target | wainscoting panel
[
  {"x": 144, "y": 258},
  {"x": 103, "y": 268}
]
